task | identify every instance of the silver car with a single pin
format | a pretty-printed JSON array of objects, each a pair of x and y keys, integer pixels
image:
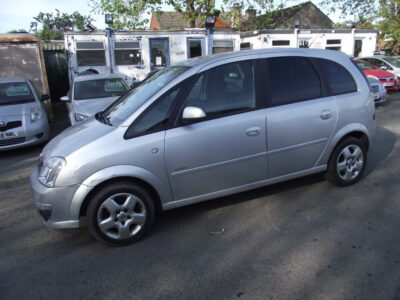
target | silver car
[
  {"x": 378, "y": 90},
  {"x": 206, "y": 128},
  {"x": 90, "y": 94},
  {"x": 23, "y": 119}
]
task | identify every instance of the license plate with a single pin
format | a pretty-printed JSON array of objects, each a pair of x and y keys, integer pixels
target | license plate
[
  {"x": 388, "y": 84},
  {"x": 8, "y": 135}
]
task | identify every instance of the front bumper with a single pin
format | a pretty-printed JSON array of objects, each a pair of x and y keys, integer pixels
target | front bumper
[{"x": 53, "y": 204}]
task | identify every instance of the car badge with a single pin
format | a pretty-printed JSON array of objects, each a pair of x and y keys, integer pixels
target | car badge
[{"x": 3, "y": 123}]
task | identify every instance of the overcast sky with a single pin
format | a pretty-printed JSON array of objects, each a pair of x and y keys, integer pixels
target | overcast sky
[{"x": 17, "y": 14}]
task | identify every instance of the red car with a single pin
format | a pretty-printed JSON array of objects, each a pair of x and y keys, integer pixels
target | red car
[{"x": 388, "y": 80}]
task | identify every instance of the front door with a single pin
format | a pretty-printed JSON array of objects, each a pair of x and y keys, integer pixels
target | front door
[
  {"x": 159, "y": 53},
  {"x": 228, "y": 148}
]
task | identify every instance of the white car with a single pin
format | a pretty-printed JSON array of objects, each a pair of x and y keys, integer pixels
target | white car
[
  {"x": 90, "y": 94},
  {"x": 378, "y": 90}
]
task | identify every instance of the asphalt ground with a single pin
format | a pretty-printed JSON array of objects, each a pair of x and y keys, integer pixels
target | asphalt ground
[{"x": 302, "y": 239}]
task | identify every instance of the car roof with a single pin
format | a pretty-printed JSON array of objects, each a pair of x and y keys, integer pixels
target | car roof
[
  {"x": 96, "y": 76},
  {"x": 12, "y": 79},
  {"x": 205, "y": 60}
]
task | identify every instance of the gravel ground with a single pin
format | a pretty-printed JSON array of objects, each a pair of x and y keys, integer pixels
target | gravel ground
[{"x": 302, "y": 239}]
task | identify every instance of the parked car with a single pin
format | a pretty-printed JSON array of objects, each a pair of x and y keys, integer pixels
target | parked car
[
  {"x": 387, "y": 63},
  {"x": 388, "y": 80},
  {"x": 378, "y": 90},
  {"x": 90, "y": 94},
  {"x": 205, "y": 128},
  {"x": 23, "y": 119}
]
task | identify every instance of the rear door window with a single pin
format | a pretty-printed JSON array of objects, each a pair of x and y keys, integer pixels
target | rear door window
[
  {"x": 339, "y": 80},
  {"x": 292, "y": 79}
]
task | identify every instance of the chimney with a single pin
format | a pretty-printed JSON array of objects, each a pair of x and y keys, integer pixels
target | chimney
[{"x": 250, "y": 14}]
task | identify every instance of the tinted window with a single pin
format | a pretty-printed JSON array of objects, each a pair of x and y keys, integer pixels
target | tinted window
[
  {"x": 99, "y": 88},
  {"x": 157, "y": 116},
  {"x": 127, "y": 57},
  {"x": 224, "y": 89},
  {"x": 339, "y": 79},
  {"x": 292, "y": 79}
]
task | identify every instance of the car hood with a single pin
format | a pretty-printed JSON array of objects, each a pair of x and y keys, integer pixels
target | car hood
[
  {"x": 17, "y": 110},
  {"x": 378, "y": 73},
  {"x": 90, "y": 107},
  {"x": 76, "y": 137}
]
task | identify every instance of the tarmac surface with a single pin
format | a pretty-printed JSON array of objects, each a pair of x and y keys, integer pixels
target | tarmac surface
[{"x": 302, "y": 239}]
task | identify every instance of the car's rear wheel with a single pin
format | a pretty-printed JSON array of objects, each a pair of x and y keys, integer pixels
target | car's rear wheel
[
  {"x": 347, "y": 162},
  {"x": 120, "y": 213}
]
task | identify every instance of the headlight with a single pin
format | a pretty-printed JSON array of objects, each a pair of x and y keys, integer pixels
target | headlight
[
  {"x": 373, "y": 77},
  {"x": 80, "y": 117},
  {"x": 49, "y": 170},
  {"x": 36, "y": 114}
]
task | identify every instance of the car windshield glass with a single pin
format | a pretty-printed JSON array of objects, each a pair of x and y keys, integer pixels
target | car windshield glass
[
  {"x": 129, "y": 103},
  {"x": 99, "y": 88},
  {"x": 364, "y": 65},
  {"x": 393, "y": 61},
  {"x": 15, "y": 92}
]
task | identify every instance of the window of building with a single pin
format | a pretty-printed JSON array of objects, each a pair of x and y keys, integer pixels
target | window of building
[
  {"x": 281, "y": 43},
  {"x": 225, "y": 89},
  {"x": 333, "y": 45},
  {"x": 220, "y": 46},
  {"x": 127, "y": 53},
  {"x": 245, "y": 46},
  {"x": 339, "y": 79},
  {"x": 90, "y": 54},
  {"x": 195, "y": 47},
  {"x": 292, "y": 79},
  {"x": 304, "y": 43},
  {"x": 333, "y": 42}
]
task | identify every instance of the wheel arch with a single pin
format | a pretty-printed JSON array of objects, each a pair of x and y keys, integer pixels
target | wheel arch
[{"x": 110, "y": 175}]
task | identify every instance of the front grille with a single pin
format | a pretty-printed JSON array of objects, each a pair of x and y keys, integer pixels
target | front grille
[
  {"x": 12, "y": 141},
  {"x": 375, "y": 88},
  {"x": 45, "y": 214},
  {"x": 386, "y": 78},
  {"x": 11, "y": 125}
]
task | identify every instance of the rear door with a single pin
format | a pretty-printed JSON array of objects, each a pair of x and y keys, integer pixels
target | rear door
[
  {"x": 228, "y": 148},
  {"x": 301, "y": 116}
]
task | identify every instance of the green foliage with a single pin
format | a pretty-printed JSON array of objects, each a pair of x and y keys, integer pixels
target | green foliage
[
  {"x": 18, "y": 31},
  {"x": 54, "y": 25},
  {"x": 380, "y": 14},
  {"x": 134, "y": 14}
]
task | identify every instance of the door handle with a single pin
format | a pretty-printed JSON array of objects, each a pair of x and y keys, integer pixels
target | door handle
[
  {"x": 326, "y": 114},
  {"x": 253, "y": 131}
]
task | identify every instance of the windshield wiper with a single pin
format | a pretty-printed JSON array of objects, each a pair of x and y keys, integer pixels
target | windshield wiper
[{"x": 102, "y": 118}]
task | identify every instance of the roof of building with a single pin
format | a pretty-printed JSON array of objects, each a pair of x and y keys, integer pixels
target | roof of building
[{"x": 172, "y": 20}]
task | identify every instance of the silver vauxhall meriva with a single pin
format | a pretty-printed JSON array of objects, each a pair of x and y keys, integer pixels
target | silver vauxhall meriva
[{"x": 206, "y": 128}]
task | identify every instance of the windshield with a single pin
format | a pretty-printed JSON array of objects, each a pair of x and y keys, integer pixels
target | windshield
[
  {"x": 15, "y": 92},
  {"x": 364, "y": 65},
  {"x": 127, "y": 104},
  {"x": 99, "y": 88},
  {"x": 393, "y": 61}
]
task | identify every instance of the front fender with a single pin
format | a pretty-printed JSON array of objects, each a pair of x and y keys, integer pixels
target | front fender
[
  {"x": 349, "y": 128},
  {"x": 114, "y": 172}
]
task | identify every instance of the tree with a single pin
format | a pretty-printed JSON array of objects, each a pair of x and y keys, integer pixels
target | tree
[
  {"x": 384, "y": 14},
  {"x": 54, "y": 25},
  {"x": 130, "y": 14}
]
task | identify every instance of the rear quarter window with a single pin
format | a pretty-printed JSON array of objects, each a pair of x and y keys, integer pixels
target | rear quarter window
[{"x": 339, "y": 80}]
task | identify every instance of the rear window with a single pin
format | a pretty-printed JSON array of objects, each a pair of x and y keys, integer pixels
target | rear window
[
  {"x": 15, "y": 92},
  {"x": 292, "y": 79},
  {"x": 339, "y": 79},
  {"x": 99, "y": 88}
]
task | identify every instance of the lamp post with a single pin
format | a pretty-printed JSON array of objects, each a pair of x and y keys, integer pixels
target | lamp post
[
  {"x": 209, "y": 24},
  {"x": 109, "y": 21}
]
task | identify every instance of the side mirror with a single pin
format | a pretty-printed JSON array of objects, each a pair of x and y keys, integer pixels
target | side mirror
[
  {"x": 384, "y": 68},
  {"x": 192, "y": 114},
  {"x": 65, "y": 98},
  {"x": 44, "y": 97}
]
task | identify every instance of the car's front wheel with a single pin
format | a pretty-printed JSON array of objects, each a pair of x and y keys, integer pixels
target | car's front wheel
[
  {"x": 120, "y": 213},
  {"x": 347, "y": 162}
]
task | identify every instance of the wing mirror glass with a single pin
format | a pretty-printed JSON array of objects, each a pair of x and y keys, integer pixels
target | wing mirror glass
[
  {"x": 384, "y": 68},
  {"x": 65, "y": 98},
  {"x": 192, "y": 114}
]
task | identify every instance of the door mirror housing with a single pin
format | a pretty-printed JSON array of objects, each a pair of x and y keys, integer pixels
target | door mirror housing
[
  {"x": 384, "y": 68},
  {"x": 192, "y": 114},
  {"x": 44, "y": 97},
  {"x": 65, "y": 98}
]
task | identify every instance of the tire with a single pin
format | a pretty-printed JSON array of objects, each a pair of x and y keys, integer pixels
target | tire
[
  {"x": 120, "y": 214},
  {"x": 347, "y": 162}
]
